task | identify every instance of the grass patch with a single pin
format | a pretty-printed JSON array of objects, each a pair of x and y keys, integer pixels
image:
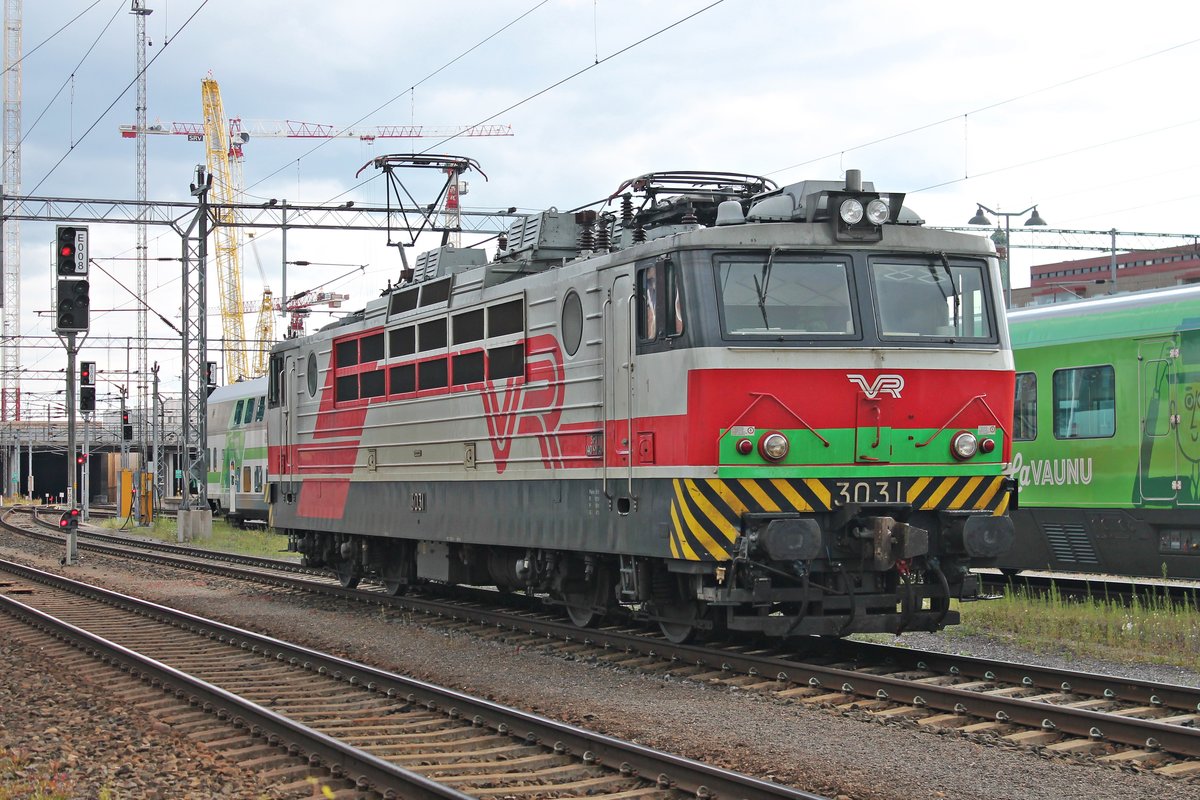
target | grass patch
[
  {"x": 257, "y": 541},
  {"x": 19, "y": 778},
  {"x": 1151, "y": 630}
]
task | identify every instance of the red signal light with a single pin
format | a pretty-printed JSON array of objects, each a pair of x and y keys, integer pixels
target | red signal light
[
  {"x": 64, "y": 523},
  {"x": 67, "y": 251}
]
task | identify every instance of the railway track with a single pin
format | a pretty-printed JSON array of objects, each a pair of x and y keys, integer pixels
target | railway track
[
  {"x": 291, "y": 709},
  {"x": 1095, "y": 587},
  {"x": 1111, "y": 719}
]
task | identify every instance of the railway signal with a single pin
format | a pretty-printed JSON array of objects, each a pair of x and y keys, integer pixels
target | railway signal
[
  {"x": 87, "y": 373},
  {"x": 126, "y": 427},
  {"x": 72, "y": 251},
  {"x": 74, "y": 306},
  {"x": 69, "y": 520},
  {"x": 87, "y": 398}
]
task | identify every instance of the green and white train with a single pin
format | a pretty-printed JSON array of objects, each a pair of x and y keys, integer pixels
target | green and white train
[
  {"x": 237, "y": 458},
  {"x": 1106, "y": 439}
]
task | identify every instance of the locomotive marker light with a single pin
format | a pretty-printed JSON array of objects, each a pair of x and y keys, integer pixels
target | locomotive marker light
[
  {"x": 773, "y": 446},
  {"x": 964, "y": 445}
]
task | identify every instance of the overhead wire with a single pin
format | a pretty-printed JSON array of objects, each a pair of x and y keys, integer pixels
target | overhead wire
[
  {"x": 117, "y": 99},
  {"x": 409, "y": 90},
  {"x": 39, "y": 45},
  {"x": 8, "y": 155},
  {"x": 988, "y": 107}
]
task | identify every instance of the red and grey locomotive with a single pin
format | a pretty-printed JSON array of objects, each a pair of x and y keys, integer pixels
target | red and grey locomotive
[{"x": 724, "y": 404}]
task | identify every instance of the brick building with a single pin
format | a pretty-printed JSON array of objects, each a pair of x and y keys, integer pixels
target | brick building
[{"x": 1063, "y": 281}]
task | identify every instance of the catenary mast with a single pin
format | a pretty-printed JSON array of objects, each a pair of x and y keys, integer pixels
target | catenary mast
[{"x": 10, "y": 360}]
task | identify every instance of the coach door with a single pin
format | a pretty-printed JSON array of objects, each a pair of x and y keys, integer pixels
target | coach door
[
  {"x": 1158, "y": 411},
  {"x": 620, "y": 317}
]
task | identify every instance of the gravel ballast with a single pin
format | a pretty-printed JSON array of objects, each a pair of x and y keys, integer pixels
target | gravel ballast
[{"x": 840, "y": 754}]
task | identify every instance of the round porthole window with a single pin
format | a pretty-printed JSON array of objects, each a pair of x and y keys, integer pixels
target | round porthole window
[
  {"x": 572, "y": 322},
  {"x": 311, "y": 369}
]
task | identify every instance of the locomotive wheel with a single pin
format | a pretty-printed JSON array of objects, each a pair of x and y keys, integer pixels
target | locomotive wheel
[
  {"x": 679, "y": 620},
  {"x": 589, "y": 605},
  {"x": 349, "y": 572},
  {"x": 398, "y": 569}
]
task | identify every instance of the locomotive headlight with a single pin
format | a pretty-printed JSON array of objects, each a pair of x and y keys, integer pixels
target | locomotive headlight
[
  {"x": 878, "y": 211},
  {"x": 963, "y": 445},
  {"x": 851, "y": 211},
  {"x": 773, "y": 446}
]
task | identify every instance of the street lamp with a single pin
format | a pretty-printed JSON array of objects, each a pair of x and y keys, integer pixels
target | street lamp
[{"x": 1002, "y": 238}]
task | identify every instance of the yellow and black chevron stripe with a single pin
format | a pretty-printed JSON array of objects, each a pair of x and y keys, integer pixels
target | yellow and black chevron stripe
[{"x": 706, "y": 514}]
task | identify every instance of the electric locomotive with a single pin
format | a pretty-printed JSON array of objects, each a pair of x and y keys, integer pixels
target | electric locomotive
[{"x": 723, "y": 404}]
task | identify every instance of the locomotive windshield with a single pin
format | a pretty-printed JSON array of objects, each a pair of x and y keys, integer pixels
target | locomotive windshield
[
  {"x": 934, "y": 299},
  {"x": 785, "y": 295}
]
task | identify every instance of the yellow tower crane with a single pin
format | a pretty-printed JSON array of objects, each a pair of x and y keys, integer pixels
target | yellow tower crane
[
  {"x": 227, "y": 187},
  {"x": 223, "y": 140}
]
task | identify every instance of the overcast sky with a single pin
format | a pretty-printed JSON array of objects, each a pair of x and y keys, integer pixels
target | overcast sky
[{"x": 1082, "y": 109}]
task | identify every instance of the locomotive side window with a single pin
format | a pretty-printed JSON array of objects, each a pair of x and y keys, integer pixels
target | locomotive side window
[
  {"x": 647, "y": 303},
  {"x": 935, "y": 299},
  {"x": 468, "y": 327},
  {"x": 468, "y": 368},
  {"x": 506, "y": 318},
  {"x": 674, "y": 305},
  {"x": 784, "y": 296},
  {"x": 347, "y": 353},
  {"x": 572, "y": 322},
  {"x": 402, "y": 341},
  {"x": 370, "y": 348},
  {"x": 1025, "y": 416},
  {"x": 432, "y": 334},
  {"x": 371, "y": 384},
  {"x": 506, "y": 362},
  {"x": 432, "y": 374},
  {"x": 275, "y": 381},
  {"x": 346, "y": 388},
  {"x": 403, "y": 378},
  {"x": 310, "y": 367},
  {"x": 403, "y": 301},
  {"x": 435, "y": 292},
  {"x": 1085, "y": 404}
]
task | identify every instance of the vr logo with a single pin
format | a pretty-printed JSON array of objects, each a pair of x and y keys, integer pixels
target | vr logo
[{"x": 883, "y": 384}]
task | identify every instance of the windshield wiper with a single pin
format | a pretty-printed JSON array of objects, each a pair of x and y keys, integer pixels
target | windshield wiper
[
  {"x": 761, "y": 288},
  {"x": 949, "y": 277}
]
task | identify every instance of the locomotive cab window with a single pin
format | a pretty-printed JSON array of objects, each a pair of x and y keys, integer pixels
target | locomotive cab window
[
  {"x": 659, "y": 304},
  {"x": 937, "y": 299},
  {"x": 1085, "y": 403},
  {"x": 1025, "y": 408},
  {"x": 782, "y": 295}
]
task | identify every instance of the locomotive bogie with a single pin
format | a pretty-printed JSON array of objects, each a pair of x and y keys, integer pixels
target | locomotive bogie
[{"x": 735, "y": 427}]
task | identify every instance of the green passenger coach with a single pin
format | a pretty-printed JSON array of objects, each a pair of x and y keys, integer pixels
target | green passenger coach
[{"x": 1106, "y": 436}]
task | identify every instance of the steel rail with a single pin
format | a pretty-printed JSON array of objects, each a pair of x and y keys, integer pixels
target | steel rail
[
  {"x": 667, "y": 770},
  {"x": 1084, "y": 723},
  {"x": 327, "y": 751}
]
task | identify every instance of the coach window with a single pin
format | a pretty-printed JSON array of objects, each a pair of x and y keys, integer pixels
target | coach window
[
  {"x": 1084, "y": 402},
  {"x": 237, "y": 412},
  {"x": 262, "y": 407},
  {"x": 1025, "y": 418},
  {"x": 249, "y": 412}
]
